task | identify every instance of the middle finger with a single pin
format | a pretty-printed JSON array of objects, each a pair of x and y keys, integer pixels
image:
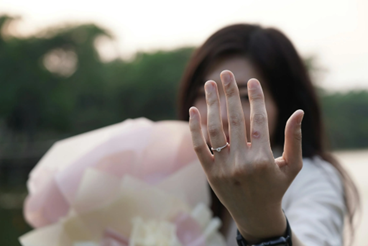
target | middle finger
[{"x": 236, "y": 120}]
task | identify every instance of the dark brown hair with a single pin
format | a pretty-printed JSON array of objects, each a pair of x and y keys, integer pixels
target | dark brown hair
[{"x": 284, "y": 73}]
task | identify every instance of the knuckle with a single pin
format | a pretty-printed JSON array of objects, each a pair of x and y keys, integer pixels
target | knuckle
[
  {"x": 256, "y": 96},
  {"x": 231, "y": 91},
  {"x": 256, "y": 134},
  {"x": 235, "y": 120},
  {"x": 259, "y": 118},
  {"x": 211, "y": 101},
  {"x": 213, "y": 130},
  {"x": 194, "y": 128},
  {"x": 262, "y": 166},
  {"x": 298, "y": 135},
  {"x": 218, "y": 178},
  {"x": 197, "y": 148},
  {"x": 238, "y": 173},
  {"x": 262, "y": 163},
  {"x": 242, "y": 172}
]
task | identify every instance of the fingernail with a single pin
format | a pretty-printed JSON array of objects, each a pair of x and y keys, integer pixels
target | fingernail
[
  {"x": 226, "y": 77},
  {"x": 252, "y": 84},
  {"x": 191, "y": 114},
  {"x": 209, "y": 87}
]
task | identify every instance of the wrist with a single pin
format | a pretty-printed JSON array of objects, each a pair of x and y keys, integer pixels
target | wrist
[
  {"x": 284, "y": 240},
  {"x": 262, "y": 226}
]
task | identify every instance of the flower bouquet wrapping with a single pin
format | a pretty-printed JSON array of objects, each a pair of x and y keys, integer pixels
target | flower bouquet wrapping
[{"x": 136, "y": 183}]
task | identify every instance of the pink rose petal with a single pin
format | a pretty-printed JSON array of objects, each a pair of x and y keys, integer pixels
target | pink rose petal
[
  {"x": 113, "y": 238},
  {"x": 46, "y": 206},
  {"x": 141, "y": 148}
]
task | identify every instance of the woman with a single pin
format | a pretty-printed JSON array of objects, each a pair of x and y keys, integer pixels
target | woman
[{"x": 246, "y": 122}]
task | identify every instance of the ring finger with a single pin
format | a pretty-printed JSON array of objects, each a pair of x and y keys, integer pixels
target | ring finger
[{"x": 214, "y": 123}]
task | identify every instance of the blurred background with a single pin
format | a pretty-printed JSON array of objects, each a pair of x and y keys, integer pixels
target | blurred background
[{"x": 71, "y": 66}]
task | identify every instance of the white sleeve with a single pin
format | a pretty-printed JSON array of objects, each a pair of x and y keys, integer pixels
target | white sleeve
[{"x": 314, "y": 204}]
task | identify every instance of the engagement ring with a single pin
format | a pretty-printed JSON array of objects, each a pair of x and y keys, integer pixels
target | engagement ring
[{"x": 220, "y": 148}]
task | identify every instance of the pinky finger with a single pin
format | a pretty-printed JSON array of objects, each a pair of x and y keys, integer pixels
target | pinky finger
[{"x": 199, "y": 143}]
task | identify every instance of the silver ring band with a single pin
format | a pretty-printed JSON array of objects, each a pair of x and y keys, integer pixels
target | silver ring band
[{"x": 220, "y": 148}]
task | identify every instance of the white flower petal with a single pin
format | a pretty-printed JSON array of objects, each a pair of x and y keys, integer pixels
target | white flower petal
[
  {"x": 85, "y": 244},
  {"x": 202, "y": 215},
  {"x": 47, "y": 236},
  {"x": 152, "y": 233},
  {"x": 212, "y": 227},
  {"x": 179, "y": 182},
  {"x": 216, "y": 239},
  {"x": 96, "y": 188}
]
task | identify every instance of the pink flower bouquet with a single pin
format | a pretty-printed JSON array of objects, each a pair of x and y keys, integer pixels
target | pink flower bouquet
[{"x": 136, "y": 183}]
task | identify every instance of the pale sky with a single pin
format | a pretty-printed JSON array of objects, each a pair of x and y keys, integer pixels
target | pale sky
[{"x": 336, "y": 31}]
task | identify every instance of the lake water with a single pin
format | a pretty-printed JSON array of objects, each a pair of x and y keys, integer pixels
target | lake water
[{"x": 356, "y": 163}]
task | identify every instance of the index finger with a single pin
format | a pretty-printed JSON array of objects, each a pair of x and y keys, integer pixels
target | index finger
[{"x": 199, "y": 143}]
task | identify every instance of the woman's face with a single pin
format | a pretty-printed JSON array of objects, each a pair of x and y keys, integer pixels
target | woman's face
[{"x": 243, "y": 71}]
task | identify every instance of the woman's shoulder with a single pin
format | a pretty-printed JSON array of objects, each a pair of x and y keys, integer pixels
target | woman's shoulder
[
  {"x": 316, "y": 177},
  {"x": 318, "y": 171},
  {"x": 316, "y": 163},
  {"x": 314, "y": 203}
]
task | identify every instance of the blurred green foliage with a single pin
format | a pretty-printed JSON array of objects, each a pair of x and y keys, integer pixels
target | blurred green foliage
[
  {"x": 346, "y": 119},
  {"x": 34, "y": 100},
  {"x": 54, "y": 85}
]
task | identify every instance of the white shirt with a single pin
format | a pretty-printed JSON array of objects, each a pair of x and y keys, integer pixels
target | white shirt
[{"x": 313, "y": 204}]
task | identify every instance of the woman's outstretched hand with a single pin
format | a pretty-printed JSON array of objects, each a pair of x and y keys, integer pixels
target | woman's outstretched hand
[{"x": 246, "y": 178}]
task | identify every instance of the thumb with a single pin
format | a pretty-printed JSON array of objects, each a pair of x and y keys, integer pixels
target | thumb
[{"x": 293, "y": 141}]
